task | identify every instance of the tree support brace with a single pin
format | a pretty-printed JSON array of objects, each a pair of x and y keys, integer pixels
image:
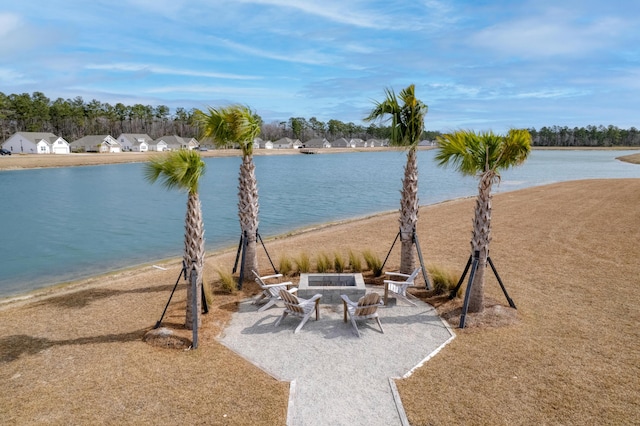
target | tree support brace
[
  {"x": 242, "y": 248},
  {"x": 183, "y": 271},
  {"x": 473, "y": 262},
  {"x": 414, "y": 240}
]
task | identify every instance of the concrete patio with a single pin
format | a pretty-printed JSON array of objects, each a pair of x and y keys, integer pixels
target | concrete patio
[{"x": 337, "y": 378}]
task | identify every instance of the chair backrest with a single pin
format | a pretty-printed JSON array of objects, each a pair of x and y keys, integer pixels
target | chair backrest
[
  {"x": 414, "y": 274},
  {"x": 291, "y": 301},
  {"x": 259, "y": 280},
  {"x": 368, "y": 304}
]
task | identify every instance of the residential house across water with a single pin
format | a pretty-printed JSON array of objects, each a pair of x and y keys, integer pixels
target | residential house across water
[{"x": 36, "y": 143}]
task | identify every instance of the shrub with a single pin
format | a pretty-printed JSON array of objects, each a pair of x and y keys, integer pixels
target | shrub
[
  {"x": 207, "y": 287},
  {"x": 355, "y": 263},
  {"x": 285, "y": 265},
  {"x": 373, "y": 262},
  {"x": 338, "y": 263},
  {"x": 227, "y": 281},
  {"x": 443, "y": 280},
  {"x": 323, "y": 263},
  {"x": 303, "y": 263}
]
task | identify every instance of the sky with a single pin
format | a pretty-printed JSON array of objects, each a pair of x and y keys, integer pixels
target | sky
[{"x": 477, "y": 64}]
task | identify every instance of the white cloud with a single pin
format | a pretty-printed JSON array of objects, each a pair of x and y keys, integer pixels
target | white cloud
[
  {"x": 335, "y": 11},
  {"x": 9, "y": 77},
  {"x": 308, "y": 57},
  {"x": 8, "y": 23},
  {"x": 554, "y": 33},
  {"x": 133, "y": 67}
]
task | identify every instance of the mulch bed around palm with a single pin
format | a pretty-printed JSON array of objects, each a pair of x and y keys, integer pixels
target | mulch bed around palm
[{"x": 567, "y": 254}]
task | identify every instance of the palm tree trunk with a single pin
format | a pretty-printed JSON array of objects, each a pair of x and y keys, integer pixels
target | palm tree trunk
[
  {"x": 248, "y": 207},
  {"x": 408, "y": 212},
  {"x": 194, "y": 253},
  {"x": 480, "y": 240}
]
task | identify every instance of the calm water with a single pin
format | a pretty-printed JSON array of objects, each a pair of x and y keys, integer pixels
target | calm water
[{"x": 69, "y": 223}]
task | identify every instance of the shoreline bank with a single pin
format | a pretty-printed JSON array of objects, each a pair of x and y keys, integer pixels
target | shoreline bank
[
  {"x": 37, "y": 161},
  {"x": 566, "y": 252}
]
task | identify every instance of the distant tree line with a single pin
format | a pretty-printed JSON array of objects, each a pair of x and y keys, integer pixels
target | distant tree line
[
  {"x": 75, "y": 118},
  {"x": 585, "y": 136}
]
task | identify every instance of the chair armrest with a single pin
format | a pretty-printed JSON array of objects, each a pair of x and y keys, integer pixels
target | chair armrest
[
  {"x": 398, "y": 274},
  {"x": 348, "y": 301},
  {"x": 278, "y": 285},
  {"x": 314, "y": 298},
  {"x": 407, "y": 283},
  {"x": 292, "y": 290},
  {"x": 266, "y": 277}
]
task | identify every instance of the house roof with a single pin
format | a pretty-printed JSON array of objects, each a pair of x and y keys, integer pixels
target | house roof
[
  {"x": 95, "y": 140},
  {"x": 315, "y": 143},
  {"x": 172, "y": 140},
  {"x": 340, "y": 143},
  {"x": 35, "y": 137},
  {"x": 133, "y": 137}
]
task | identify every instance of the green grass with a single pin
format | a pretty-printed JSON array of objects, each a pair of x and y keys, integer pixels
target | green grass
[
  {"x": 373, "y": 262},
  {"x": 303, "y": 263},
  {"x": 285, "y": 265},
  {"x": 443, "y": 280},
  {"x": 323, "y": 263},
  {"x": 339, "y": 264},
  {"x": 227, "y": 281},
  {"x": 355, "y": 262}
]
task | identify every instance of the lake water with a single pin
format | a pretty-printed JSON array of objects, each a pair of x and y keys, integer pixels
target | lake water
[{"x": 69, "y": 223}]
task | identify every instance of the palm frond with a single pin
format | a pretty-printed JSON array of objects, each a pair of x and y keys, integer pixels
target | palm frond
[
  {"x": 176, "y": 170},
  {"x": 232, "y": 124},
  {"x": 474, "y": 153},
  {"x": 407, "y": 118}
]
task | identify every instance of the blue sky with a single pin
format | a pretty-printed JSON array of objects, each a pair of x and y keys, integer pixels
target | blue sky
[{"x": 477, "y": 64}]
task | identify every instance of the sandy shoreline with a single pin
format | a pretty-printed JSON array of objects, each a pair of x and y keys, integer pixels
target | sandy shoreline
[
  {"x": 566, "y": 252},
  {"x": 34, "y": 161}
]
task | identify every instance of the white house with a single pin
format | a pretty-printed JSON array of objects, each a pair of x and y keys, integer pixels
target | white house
[
  {"x": 140, "y": 146},
  {"x": 283, "y": 143},
  {"x": 317, "y": 143},
  {"x": 36, "y": 143},
  {"x": 175, "y": 143},
  {"x": 340, "y": 143},
  {"x": 356, "y": 143},
  {"x": 127, "y": 140},
  {"x": 96, "y": 143},
  {"x": 158, "y": 145}
]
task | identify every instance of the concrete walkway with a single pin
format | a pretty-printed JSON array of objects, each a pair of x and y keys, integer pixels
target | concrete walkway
[{"x": 337, "y": 378}]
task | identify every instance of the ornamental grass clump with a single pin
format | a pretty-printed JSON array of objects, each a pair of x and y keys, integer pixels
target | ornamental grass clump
[
  {"x": 285, "y": 265},
  {"x": 444, "y": 280},
  {"x": 303, "y": 263},
  {"x": 227, "y": 281},
  {"x": 323, "y": 263},
  {"x": 355, "y": 262},
  {"x": 374, "y": 264},
  {"x": 339, "y": 264}
]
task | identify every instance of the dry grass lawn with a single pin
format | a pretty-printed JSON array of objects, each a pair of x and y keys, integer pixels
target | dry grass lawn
[{"x": 567, "y": 253}]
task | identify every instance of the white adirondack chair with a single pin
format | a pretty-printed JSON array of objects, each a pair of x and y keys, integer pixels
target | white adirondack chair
[
  {"x": 365, "y": 308},
  {"x": 271, "y": 292},
  {"x": 400, "y": 287},
  {"x": 301, "y": 308}
]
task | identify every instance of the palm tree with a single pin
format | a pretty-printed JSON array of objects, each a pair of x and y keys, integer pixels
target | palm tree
[
  {"x": 407, "y": 125},
  {"x": 238, "y": 124},
  {"x": 482, "y": 155},
  {"x": 182, "y": 170}
]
